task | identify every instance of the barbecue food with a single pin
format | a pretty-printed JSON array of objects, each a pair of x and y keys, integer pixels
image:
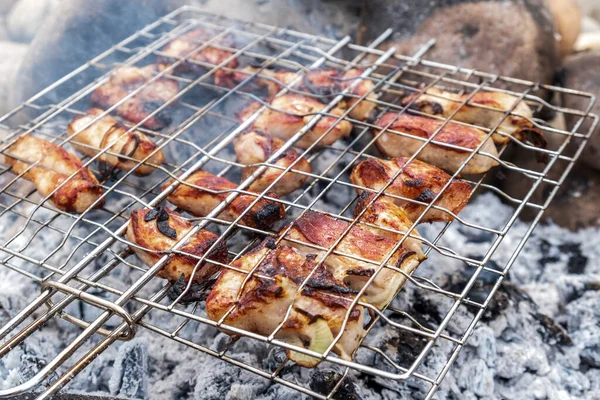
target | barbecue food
[
  {"x": 91, "y": 137},
  {"x": 255, "y": 147},
  {"x": 315, "y": 233},
  {"x": 187, "y": 44},
  {"x": 326, "y": 83},
  {"x": 209, "y": 190},
  {"x": 417, "y": 181},
  {"x": 260, "y": 306},
  {"x": 289, "y": 113},
  {"x": 56, "y": 165},
  {"x": 128, "y": 79},
  {"x": 156, "y": 231},
  {"x": 483, "y": 109},
  {"x": 392, "y": 144}
]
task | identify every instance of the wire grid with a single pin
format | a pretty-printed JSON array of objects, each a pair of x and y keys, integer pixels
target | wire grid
[{"x": 89, "y": 254}]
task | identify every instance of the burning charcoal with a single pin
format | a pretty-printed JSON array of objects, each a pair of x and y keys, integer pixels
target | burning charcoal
[
  {"x": 583, "y": 326},
  {"x": 129, "y": 378},
  {"x": 198, "y": 291},
  {"x": 552, "y": 332},
  {"x": 406, "y": 346},
  {"x": 577, "y": 261},
  {"x": 324, "y": 381}
]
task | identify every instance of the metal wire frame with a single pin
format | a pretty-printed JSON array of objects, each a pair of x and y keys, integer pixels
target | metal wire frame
[{"x": 292, "y": 50}]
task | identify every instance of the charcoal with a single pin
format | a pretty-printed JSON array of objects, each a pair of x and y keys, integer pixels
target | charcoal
[{"x": 129, "y": 377}]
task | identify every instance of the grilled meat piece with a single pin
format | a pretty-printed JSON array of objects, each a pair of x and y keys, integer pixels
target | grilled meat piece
[
  {"x": 518, "y": 124},
  {"x": 158, "y": 230},
  {"x": 326, "y": 82},
  {"x": 55, "y": 166},
  {"x": 187, "y": 44},
  {"x": 417, "y": 181},
  {"x": 392, "y": 143},
  {"x": 260, "y": 306},
  {"x": 268, "y": 79},
  {"x": 93, "y": 137},
  {"x": 128, "y": 79},
  {"x": 209, "y": 190},
  {"x": 256, "y": 147},
  {"x": 290, "y": 113},
  {"x": 315, "y": 233}
]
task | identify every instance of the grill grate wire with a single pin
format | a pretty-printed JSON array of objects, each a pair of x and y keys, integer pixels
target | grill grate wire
[{"x": 89, "y": 251}]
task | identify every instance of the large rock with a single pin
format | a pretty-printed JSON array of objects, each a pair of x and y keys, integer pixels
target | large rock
[
  {"x": 507, "y": 37},
  {"x": 26, "y": 17},
  {"x": 582, "y": 72},
  {"x": 74, "y": 32},
  {"x": 567, "y": 20}
]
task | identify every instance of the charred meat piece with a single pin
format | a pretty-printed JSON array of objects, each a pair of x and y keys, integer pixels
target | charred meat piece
[
  {"x": 260, "y": 306},
  {"x": 157, "y": 230},
  {"x": 392, "y": 142},
  {"x": 326, "y": 83},
  {"x": 289, "y": 113},
  {"x": 56, "y": 165},
  {"x": 255, "y": 147},
  {"x": 361, "y": 250},
  {"x": 416, "y": 181},
  {"x": 209, "y": 190},
  {"x": 484, "y": 109},
  {"x": 92, "y": 137},
  {"x": 187, "y": 44},
  {"x": 128, "y": 79}
]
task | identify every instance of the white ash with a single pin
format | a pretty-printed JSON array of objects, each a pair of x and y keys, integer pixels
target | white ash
[{"x": 517, "y": 352}]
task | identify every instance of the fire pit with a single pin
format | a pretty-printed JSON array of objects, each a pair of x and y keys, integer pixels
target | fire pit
[{"x": 89, "y": 277}]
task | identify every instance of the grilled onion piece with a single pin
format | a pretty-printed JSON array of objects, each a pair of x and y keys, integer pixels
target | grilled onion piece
[
  {"x": 127, "y": 79},
  {"x": 187, "y": 44},
  {"x": 314, "y": 232},
  {"x": 158, "y": 230},
  {"x": 417, "y": 181},
  {"x": 326, "y": 82},
  {"x": 211, "y": 190},
  {"x": 55, "y": 167},
  {"x": 94, "y": 137},
  {"x": 290, "y": 113},
  {"x": 392, "y": 144},
  {"x": 518, "y": 124},
  {"x": 317, "y": 312},
  {"x": 255, "y": 147}
]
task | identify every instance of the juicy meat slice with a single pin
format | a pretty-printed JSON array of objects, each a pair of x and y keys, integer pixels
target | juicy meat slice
[
  {"x": 128, "y": 79},
  {"x": 55, "y": 166},
  {"x": 325, "y": 82},
  {"x": 158, "y": 230},
  {"x": 210, "y": 190},
  {"x": 260, "y": 306},
  {"x": 255, "y": 147},
  {"x": 392, "y": 143},
  {"x": 440, "y": 102},
  {"x": 289, "y": 113},
  {"x": 361, "y": 250},
  {"x": 95, "y": 136},
  {"x": 187, "y": 44},
  {"x": 417, "y": 181}
]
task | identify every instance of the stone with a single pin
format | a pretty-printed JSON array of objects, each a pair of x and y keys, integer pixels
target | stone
[
  {"x": 582, "y": 72},
  {"x": 85, "y": 29},
  {"x": 11, "y": 56},
  {"x": 26, "y": 17},
  {"x": 567, "y": 20},
  {"x": 511, "y": 38}
]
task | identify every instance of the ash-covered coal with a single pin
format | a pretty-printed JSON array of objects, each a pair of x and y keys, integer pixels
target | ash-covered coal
[{"x": 539, "y": 338}]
